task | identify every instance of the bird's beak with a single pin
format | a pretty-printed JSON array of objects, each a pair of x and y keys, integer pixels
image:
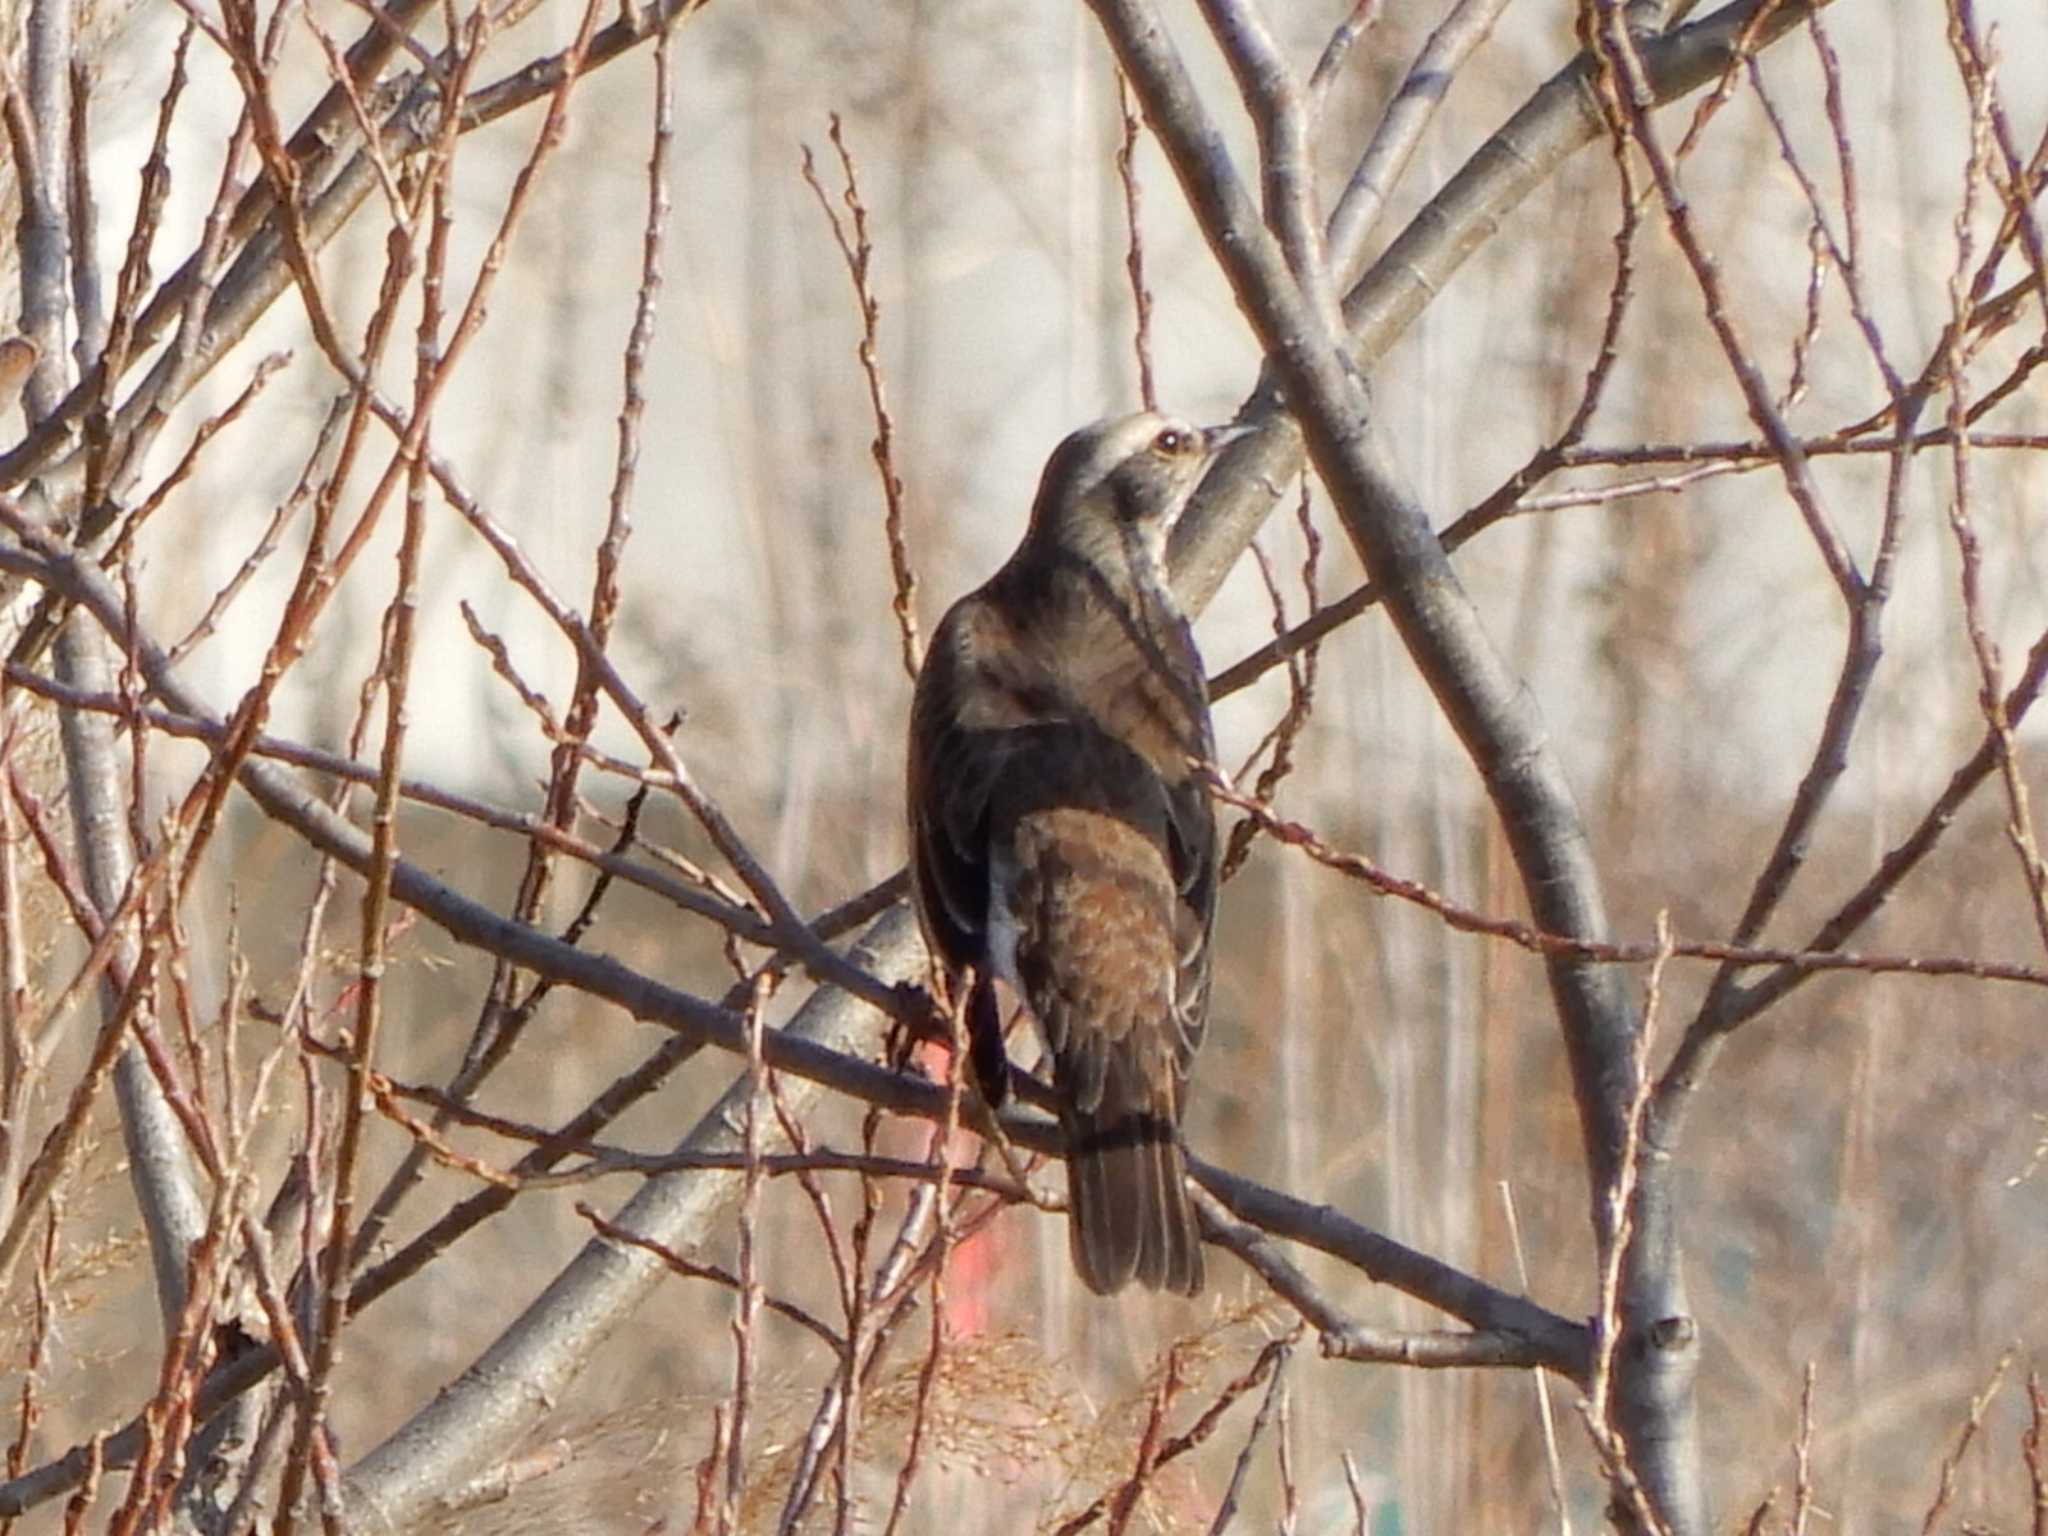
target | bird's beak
[{"x": 1215, "y": 439}]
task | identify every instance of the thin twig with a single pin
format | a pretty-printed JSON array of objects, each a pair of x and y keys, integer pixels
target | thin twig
[
  {"x": 1134, "y": 249},
  {"x": 1526, "y": 936},
  {"x": 1545, "y": 1416},
  {"x": 857, "y": 251},
  {"x": 1952, "y": 1463},
  {"x": 1802, "y": 1452},
  {"x": 2031, "y": 1441},
  {"x": 1226, "y": 1508}
]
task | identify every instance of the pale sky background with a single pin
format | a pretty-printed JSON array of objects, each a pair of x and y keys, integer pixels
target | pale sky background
[{"x": 983, "y": 134}]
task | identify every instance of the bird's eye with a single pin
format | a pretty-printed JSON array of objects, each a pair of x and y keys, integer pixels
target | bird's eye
[{"x": 1173, "y": 442}]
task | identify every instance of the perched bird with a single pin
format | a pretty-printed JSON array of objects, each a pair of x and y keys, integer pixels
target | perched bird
[{"x": 1059, "y": 840}]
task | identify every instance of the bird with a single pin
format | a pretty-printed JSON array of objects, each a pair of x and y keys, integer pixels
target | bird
[{"x": 1061, "y": 840}]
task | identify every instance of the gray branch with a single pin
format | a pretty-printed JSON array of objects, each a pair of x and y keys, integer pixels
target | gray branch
[
  {"x": 158, "y": 1169},
  {"x": 1485, "y": 703},
  {"x": 522, "y": 1372},
  {"x": 480, "y": 1416},
  {"x": 172, "y": 1213}
]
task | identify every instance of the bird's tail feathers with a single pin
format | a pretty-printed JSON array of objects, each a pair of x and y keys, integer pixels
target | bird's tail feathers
[{"x": 1131, "y": 1216}]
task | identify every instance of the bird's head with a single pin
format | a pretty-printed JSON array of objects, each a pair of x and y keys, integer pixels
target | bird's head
[{"x": 1111, "y": 491}]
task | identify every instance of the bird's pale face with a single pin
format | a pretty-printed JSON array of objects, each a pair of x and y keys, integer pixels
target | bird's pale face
[{"x": 1111, "y": 494}]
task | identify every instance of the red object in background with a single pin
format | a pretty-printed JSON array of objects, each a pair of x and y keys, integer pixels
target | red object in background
[{"x": 972, "y": 1264}]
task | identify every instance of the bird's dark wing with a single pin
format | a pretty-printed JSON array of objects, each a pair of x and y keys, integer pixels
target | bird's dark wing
[
  {"x": 952, "y": 766},
  {"x": 951, "y": 769},
  {"x": 1180, "y": 706},
  {"x": 1191, "y": 853}
]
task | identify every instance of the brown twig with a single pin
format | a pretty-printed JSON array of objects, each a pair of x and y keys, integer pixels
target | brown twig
[
  {"x": 1526, "y": 936},
  {"x": 942, "y": 1246},
  {"x": 1134, "y": 249},
  {"x": 750, "y": 1288},
  {"x": 1802, "y": 1453},
  {"x": 41, "y": 1319},
  {"x": 1991, "y": 696},
  {"x": 2031, "y": 1441},
  {"x": 689, "y": 1269},
  {"x": 602, "y": 1161},
  {"x": 1617, "y": 48},
  {"x": 502, "y": 1020},
  {"x": 1226, "y": 1508},
  {"x": 202, "y": 436},
  {"x": 1616, "y": 1233},
  {"x": 857, "y": 250},
  {"x": 1280, "y": 740},
  {"x": 1197, "y": 1434},
  {"x": 1512, "y": 494},
  {"x": 1951, "y": 1464},
  {"x": 76, "y": 1507}
]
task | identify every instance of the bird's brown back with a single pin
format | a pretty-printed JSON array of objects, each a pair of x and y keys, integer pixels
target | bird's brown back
[{"x": 1061, "y": 841}]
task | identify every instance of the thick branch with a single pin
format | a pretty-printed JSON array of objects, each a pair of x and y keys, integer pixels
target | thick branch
[
  {"x": 1561, "y": 118},
  {"x": 1484, "y": 702}
]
